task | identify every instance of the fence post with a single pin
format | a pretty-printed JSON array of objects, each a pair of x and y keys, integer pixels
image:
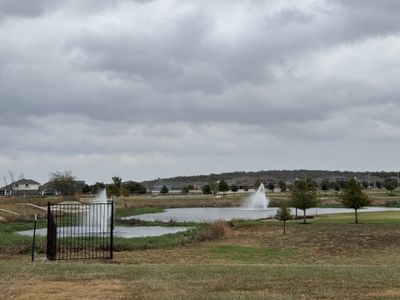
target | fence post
[
  {"x": 112, "y": 231},
  {"x": 33, "y": 240}
]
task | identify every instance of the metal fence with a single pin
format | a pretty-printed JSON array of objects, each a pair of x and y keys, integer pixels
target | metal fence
[{"x": 80, "y": 231}]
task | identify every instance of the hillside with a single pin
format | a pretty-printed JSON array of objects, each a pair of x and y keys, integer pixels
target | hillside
[{"x": 248, "y": 178}]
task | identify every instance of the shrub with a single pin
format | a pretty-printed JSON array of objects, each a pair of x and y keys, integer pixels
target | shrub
[{"x": 212, "y": 231}]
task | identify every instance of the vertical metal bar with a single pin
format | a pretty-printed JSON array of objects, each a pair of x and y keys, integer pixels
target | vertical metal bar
[
  {"x": 34, "y": 237},
  {"x": 85, "y": 228},
  {"x": 74, "y": 228},
  {"x": 70, "y": 231},
  {"x": 96, "y": 229},
  {"x": 48, "y": 230},
  {"x": 56, "y": 222},
  {"x": 112, "y": 231},
  {"x": 60, "y": 237},
  {"x": 104, "y": 208},
  {"x": 91, "y": 206}
]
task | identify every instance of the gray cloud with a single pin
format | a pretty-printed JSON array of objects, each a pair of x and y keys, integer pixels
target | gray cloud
[{"x": 157, "y": 88}]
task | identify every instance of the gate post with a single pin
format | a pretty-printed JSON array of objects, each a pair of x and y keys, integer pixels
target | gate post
[
  {"x": 112, "y": 230},
  {"x": 51, "y": 235}
]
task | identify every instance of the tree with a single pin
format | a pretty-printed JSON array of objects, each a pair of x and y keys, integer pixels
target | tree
[
  {"x": 185, "y": 190},
  {"x": 164, "y": 190},
  {"x": 283, "y": 186},
  {"x": 246, "y": 188},
  {"x": 134, "y": 187},
  {"x": 378, "y": 184},
  {"x": 98, "y": 186},
  {"x": 86, "y": 189},
  {"x": 257, "y": 183},
  {"x": 271, "y": 186},
  {"x": 354, "y": 197},
  {"x": 206, "y": 189},
  {"x": 117, "y": 181},
  {"x": 365, "y": 184},
  {"x": 304, "y": 196},
  {"x": 283, "y": 214},
  {"x": 325, "y": 185},
  {"x": 62, "y": 182},
  {"x": 223, "y": 186},
  {"x": 115, "y": 189},
  {"x": 390, "y": 184},
  {"x": 212, "y": 182},
  {"x": 234, "y": 188}
]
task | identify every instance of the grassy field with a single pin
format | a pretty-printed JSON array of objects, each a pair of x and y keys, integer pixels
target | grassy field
[{"x": 331, "y": 258}]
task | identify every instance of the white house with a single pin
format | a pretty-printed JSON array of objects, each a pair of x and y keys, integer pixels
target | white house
[{"x": 21, "y": 187}]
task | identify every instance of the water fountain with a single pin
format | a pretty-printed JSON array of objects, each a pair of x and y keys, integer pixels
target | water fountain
[
  {"x": 258, "y": 200},
  {"x": 98, "y": 216}
]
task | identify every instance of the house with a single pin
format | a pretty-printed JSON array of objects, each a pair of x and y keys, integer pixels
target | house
[
  {"x": 22, "y": 187},
  {"x": 156, "y": 188}
]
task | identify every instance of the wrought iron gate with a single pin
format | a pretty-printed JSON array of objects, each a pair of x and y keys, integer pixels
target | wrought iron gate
[{"x": 80, "y": 231}]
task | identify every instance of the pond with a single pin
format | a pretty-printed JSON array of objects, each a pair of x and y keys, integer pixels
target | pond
[
  {"x": 208, "y": 214},
  {"x": 119, "y": 231}
]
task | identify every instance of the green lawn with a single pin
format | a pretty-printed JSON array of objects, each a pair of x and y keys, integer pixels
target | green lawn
[
  {"x": 388, "y": 217},
  {"x": 331, "y": 258}
]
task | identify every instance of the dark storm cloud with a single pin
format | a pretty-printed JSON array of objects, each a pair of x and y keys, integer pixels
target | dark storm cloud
[
  {"x": 167, "y": 87},
  {"x": 26, "y": 8}
]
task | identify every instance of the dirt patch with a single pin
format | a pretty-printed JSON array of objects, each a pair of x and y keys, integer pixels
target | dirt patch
[
  {"x": 95, "y": 289},
  {"x": 391, "y": 293}
]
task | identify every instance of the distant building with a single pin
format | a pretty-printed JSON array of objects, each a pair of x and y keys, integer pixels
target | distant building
[
  {"x": 22, "y": 187},
  {"x": 156, "y": 188}
]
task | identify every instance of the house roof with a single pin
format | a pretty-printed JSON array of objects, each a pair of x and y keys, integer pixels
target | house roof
[
  {"x": 26, "y": 181},
  {"x": 21, "y": 181}
]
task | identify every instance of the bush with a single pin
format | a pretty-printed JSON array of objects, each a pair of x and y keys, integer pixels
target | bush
[
  {"x": 212, "y": 231},
  {"x": 392, "y": 202},
  {"x": 274, "y": 203}
]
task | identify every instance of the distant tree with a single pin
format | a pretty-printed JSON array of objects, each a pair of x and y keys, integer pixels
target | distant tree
[
  {"x": 283, "y": 186},
  {"x": 190, "y": 187},
  {"x": 245, "y": 188},
  {"x": 303, "y": 196},
  {"x": 339, "y": 185},
  {"x": 97, "y": 187},
  {"x": 234, "y": 188},
  {"x": 206, "y": 189},
  {"x": 164, "y": 189},
  {"x": 86, "y": 189},
  {"x": 365, "y": 184},
  {"x": 185, "y": 190},
  {"x": 115, "y": 189},
  {"x": 212, "y": 182},
  {"x": 325, "y": 185},
  {"x": 134, "y": 187},
  {"x": 271, "y": 186},
  {"x": 62, "y": 182},
  {"x": 283, "y": 214},
  {"x": 354, "y": 197},
  {"x": 223, "y": 186},
  {"x": 117, "y": 181},
  {"x": 390, "y": 184},
  {"x": 257, "y": 183},
  {"x": 378, "y": 184},
  {"x": 140, "y": 189}
]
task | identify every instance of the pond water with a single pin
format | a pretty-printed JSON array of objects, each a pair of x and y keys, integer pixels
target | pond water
[
  {"x": 208, "y": 214},
  {"x": 119, "y": 231}
]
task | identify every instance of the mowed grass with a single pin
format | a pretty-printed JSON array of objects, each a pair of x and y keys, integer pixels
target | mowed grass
[
  {"x": 387, "y": 217},
  {"x": 331, "y": 258},
  {"x": 200, "y": 281}
]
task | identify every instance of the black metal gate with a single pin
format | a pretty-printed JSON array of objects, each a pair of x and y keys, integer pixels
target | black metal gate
[{"x": 80, "y": 231}]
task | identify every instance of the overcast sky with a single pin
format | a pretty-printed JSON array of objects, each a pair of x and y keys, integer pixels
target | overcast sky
[{"x": 146, "y": 89}]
